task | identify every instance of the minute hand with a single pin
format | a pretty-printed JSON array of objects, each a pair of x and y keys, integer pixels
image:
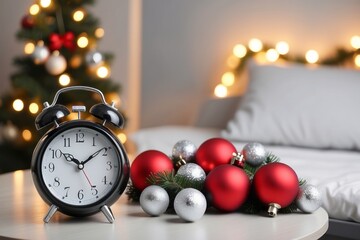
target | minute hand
[{"x": 93, "y": 155}]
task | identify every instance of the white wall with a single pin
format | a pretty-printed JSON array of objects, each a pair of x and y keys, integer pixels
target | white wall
[{"x": 186, "y": 43}]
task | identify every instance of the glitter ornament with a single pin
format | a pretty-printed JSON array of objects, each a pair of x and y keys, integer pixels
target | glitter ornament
[
  {"x": 190, "y": 204},
  {"x": 254, "y": 154},
  {"x": 276, "y": 185},
  {"x": 214, "y": 152},
  {"x": 192, "y": 171},
  {"x": 150, "y": 161},
  {"x": 56, "y": 63},
  {"x": 308, "y": 199},
  {"x": 154, "y": 200},
  {"x": 40, "y": 53},
  {"x": 227, "y": 187},
  {"x": 183, "y": 152}
]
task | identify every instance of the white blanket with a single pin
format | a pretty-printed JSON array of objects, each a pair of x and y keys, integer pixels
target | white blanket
[{"x": 336, "y": 173}]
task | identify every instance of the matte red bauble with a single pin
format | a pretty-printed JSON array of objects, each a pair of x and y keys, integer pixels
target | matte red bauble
[
  {"x": 151, "y": 161},
  {"x": 227, "y": 187},
  {"x": 214, "y": 152},
  {"x": 276, "y": 185},
  {"x": 27, "y": 21}
]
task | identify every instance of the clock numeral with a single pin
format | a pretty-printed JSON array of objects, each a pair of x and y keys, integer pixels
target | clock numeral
[
  {"x": 104, "y": 180},
  {"x": 109, "y": 165},
  {"x": 56, "y": 153},
  {"x": 94, "y": 191},
  {"x": 66, "y": 189},
  {"x": 105, "y": 152},
  {"x": 51, "y": 167},
  {"x": 93, "y": 143},
  {"x": 80, "y": 194},
  {"x": 66, "y": 142},
  {"x": 56, "y": 182},
  {"x": 80, "y": 137}
]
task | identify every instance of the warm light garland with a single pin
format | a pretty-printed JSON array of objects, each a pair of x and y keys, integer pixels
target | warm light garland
[{"x": 265, "y": 54}]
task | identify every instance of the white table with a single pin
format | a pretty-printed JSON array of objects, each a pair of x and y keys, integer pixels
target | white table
[{"x": 22, "y": 211}]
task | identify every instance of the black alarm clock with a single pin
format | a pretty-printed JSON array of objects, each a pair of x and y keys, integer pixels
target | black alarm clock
[{"x": 79, "y": 167}]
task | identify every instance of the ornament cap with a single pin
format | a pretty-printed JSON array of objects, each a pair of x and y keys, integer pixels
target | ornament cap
[
  {"x": 273, "y": 209},
  {"x": 179, "y": 162},
  {"x": 238, "y": 160}
]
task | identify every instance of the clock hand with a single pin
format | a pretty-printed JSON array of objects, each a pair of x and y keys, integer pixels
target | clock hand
[
  {"x": 87, "y": 178},
  {"x": 70, "y": 158},
  {"x": 92, "y": 156}
]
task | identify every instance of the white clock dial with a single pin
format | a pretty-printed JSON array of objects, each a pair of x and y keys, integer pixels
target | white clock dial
[{"x": 80, "y": 166}]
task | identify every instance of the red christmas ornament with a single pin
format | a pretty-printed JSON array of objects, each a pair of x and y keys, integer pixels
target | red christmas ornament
[
  {"x": 227, "y": 187},
  {"x": 57, "y": 41},
  {"x": 151, "y": 161},
  {"x": 214, "y": 152},
  {"x": 27, "y": 21},
  {"x": 276, "y": 185}
]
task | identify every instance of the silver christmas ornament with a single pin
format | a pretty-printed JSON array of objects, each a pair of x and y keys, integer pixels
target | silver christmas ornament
[
  {"x": 40, "y": 53},
  {"x": 254, "y": 154},
  {"x": 183, "y": 152},
  {"x": 192, "y": 171},
  {"x": 56, "y": 63},
  {"x": 308, "y": 199},
  {"x": 94, "y": 58},
  {"x": 190, "y": 204},
  {"x": 154, "y": 200}
]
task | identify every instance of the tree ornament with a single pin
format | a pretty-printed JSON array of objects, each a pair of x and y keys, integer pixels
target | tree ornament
[
  {"x": 154, "y": 200},
  {"x": 254, "y": 154},
  {"x": 227, "y": 187},
  {"x": 94, "y": 59},
  {"x": 27, "y": 21},
  {"x": 192, "y": 171},
  {"x": 56, "y": 63},
  {"x": 214, "y": 152},
  {"x": 308, "y": 199},
  {"x": 40, "y": 53},
  {"x": 190, "y": 204},
  {"x": 147, "y": 163},
  {"x": 183, "y": 152},
  {"x": 276, "y": 185},
  {"x": 57, "y": 41}
]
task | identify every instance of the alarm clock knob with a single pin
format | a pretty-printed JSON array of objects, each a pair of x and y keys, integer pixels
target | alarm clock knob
[
  {"x": 107, "y": 113},
  {"x": 50, "y": 115}
]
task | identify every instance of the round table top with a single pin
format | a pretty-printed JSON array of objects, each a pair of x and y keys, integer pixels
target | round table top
[{"x": 22, "y": 212}]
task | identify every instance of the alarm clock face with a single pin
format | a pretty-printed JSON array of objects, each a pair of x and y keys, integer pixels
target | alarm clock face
[{"x": 80, "y": 164}]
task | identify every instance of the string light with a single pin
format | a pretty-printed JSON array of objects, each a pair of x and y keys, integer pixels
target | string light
[
  {"x": 355, "y": 42},
  {"x": 29, "y": 48},
  {"x": 18, "y": 105},
  {"x": 34, "y": 9},
  {"x": 122, "y": 137},
  {"x": 83, "y": 41},
  {"x": 220, "y": 91},
  {"x": 45, "y": 3},
  {"x": 33, "y": 108},
  {"x": 357, "y": 60},
  {"x": 239, "y": 50},
  {"x": 64, "y": 79},
  {"x": 26, "y": 134},
  {"x": 228, "y": 79},
  {"x": 312, "y": 56},
  {"x": 282, "y": 47},
  {"x": 103, "y": 72},
  {"x": 255, "y": 45},
  {"x": 272, "y": 55},
  {"x": 99, "y": 32},
  {"x": 78, "y": 15}
]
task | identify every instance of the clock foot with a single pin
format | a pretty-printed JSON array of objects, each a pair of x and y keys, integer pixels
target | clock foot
[
  {"x": 108, "y": 214},
  {"x": 50, "y": 213}
]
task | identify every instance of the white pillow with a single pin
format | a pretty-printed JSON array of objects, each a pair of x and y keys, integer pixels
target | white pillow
[{"x": 301, "y": 106}]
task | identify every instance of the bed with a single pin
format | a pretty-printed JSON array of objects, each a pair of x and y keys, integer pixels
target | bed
[{"x": 307, "y": 116}]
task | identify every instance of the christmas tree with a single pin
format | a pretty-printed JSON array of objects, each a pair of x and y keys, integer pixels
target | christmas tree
[{"x": 60, "y": 49}]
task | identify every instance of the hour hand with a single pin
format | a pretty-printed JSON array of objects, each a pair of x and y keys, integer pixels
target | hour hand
[{"x": 70, "y": 158}]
